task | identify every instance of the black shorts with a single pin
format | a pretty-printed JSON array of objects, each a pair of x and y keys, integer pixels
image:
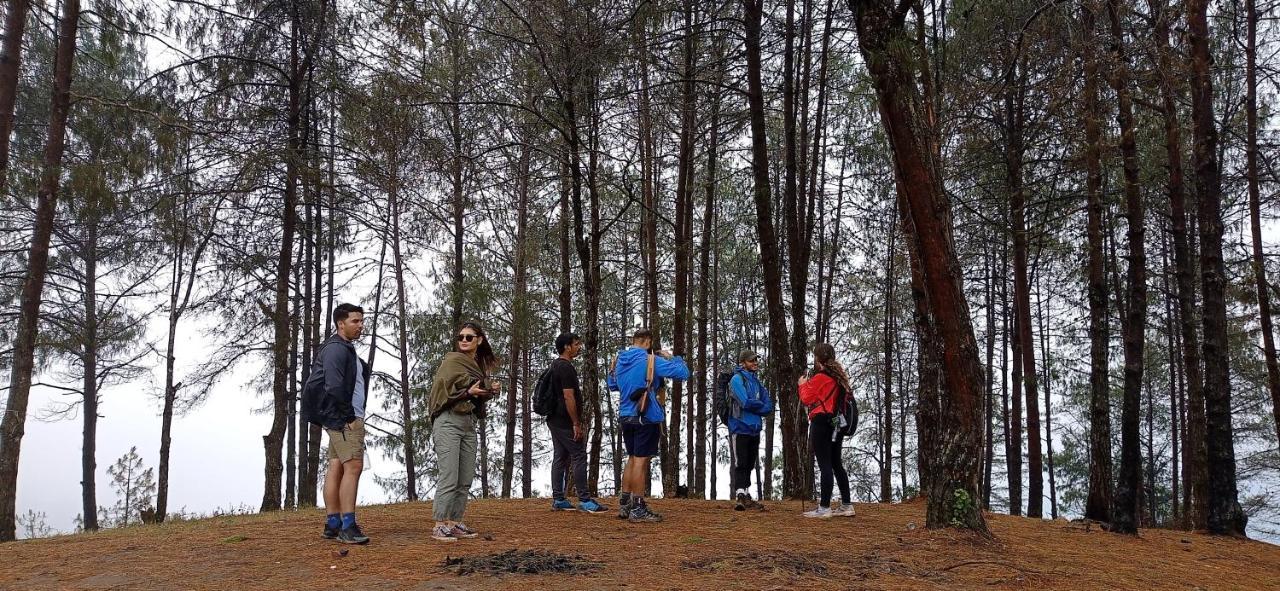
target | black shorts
[{"x": 640, "y": 440}]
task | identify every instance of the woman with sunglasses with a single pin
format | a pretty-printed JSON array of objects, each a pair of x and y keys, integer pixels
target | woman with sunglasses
[{"x": 459, "y": 390}]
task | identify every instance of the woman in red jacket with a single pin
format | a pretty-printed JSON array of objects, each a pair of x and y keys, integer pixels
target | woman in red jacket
[{"x": 820, "y": 394}]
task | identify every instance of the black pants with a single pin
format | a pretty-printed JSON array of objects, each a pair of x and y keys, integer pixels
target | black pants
[
  {"x": 743, "y": 450},
  {"x": 568, "y": 452},
  {"x": 830, "y": 461}
]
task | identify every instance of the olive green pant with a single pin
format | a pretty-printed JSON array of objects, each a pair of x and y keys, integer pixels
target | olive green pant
[{"x": 454, "y": 436}]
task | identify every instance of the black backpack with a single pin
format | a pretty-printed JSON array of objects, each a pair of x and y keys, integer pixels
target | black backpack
[
  {"x": 722, "y": 399},
  {"x": 846, "y": 408},
  {"x": 544, "y": 396}
]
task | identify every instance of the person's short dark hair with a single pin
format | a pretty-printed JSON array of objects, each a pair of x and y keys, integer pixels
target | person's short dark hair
[
  {"x": 641, "y": 334},
  {"x": 564, "y": 340},
  {"x": 343, "y": 310}
]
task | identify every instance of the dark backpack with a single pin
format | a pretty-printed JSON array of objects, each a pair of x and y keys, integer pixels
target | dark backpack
[
  {"x": 722, "y": 399},
  {"x": 544, "y": 395},
  {"x": 846, "y": 408}
]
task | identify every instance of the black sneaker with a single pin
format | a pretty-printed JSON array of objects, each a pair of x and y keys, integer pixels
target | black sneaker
[
  {"x": 743, "y": 501},
  {"x": 330, "y": 533},
  {"x": 624, "y": 510},
  {"x": 352, "y": 535},
  {"x": 641, "y": 514}
]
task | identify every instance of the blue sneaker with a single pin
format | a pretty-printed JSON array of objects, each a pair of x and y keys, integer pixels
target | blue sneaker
[
  {"x": 591, "y": 506},
  {"x": 563, "y": 505}
]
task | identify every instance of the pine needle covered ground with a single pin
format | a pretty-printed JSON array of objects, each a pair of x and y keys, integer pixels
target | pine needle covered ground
[{"x": 702, "y": 545}]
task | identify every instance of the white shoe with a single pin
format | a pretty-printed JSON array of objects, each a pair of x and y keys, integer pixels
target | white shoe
[
  {"x": 844, "y": 510},
  {"x": 820, "y": 513}
]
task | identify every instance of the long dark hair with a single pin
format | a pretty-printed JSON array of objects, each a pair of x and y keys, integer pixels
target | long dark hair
[
  {"x": 825, "y": 354},
  {"x": 484, "y": 352}
]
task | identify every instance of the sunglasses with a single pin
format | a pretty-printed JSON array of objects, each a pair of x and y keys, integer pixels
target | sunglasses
[
  {"x": 754, "y": 360},
  {"x": 467, "y": 338}
]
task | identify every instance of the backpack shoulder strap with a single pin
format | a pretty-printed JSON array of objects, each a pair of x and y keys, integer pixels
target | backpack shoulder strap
[{"x": 648, "y": 376}]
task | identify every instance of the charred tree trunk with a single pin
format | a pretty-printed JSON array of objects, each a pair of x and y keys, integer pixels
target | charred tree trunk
[
  {"x": 1125, "y": 513},
  {"x": 89, "y": 361},
  {"x": 1098, "y": 502},
  {"x": 796, "y": 451},
  {"x": 1224, "y": 513}
]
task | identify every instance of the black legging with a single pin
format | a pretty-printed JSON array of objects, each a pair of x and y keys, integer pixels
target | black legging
[{"x": 827, "y": 451}]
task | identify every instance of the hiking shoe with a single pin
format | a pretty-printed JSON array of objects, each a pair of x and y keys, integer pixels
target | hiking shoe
[
  {"x": 443, "y": 533},
  {"x": 755, "y": 505},
  {"x": 591, "y": 506},
  {"x": 642, "y": 514},
  {"x": 330, "y": 533},
  {"x": 562, "y": 505},
  {"x": 624, "y": 511},
  {"x": 352, "y": 535},
  {"x": 460, "y": 530},
  {"x": 820, "y": 513},
  {"x": 743, "y": 501},
  {"x": 844, "y": 510}
]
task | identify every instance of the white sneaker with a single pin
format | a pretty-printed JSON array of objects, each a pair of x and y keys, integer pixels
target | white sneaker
[
  {"x": 820, "y": 513},
  {"x": 844, "y": 510},
  {"x": 443, "y": 533}
]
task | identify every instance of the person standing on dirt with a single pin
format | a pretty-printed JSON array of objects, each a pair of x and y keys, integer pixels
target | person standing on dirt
[
  {"x": 751, "y": 403},
  {"x": 568, "y": 436},
  {"x": 459, "y": 390},
  {"x": 638, "y": 373},
  {"x": 821, "y": 394},
  {"x": 335, "y": 397}
]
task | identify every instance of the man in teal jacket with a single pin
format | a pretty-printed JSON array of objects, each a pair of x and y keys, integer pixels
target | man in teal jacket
[
  {"x": 751, "y": 403},
  {"x": 637, "y": 376}
]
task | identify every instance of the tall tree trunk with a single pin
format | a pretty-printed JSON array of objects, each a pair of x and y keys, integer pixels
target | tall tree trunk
[
  {"x": 1125, "y": 514},
  {"x": 1098, "y": 502},
  {"x": 1042, "y": 302},
  {"x": 1015, "y": 152},
  {"x": 799, "y": 238},
  {"x": 402, "y": 314},
  {"x": 796, "y": 451},
  {"x": 1255, "y": 221},
  {"x": 989, "y": 456},
  {"x": 890, "y": 332},
  {"x": 13, "y": 426},
  {"x": 565, "y": 299},
  {"x": 706, "y": 278},
  {"x": 1224, "y": 513},
  {"x": 15, "y": 25},
  {"x": 520, "y": 314},
  {"x": 683, "y": 255},
  {"x": 1174, "y": 378},
  {"x": 953, "y": 498},
  {"x": 274, "y": 439},
  {"x": 89, "y": 361},
  {"x": 1195, "y": 475}
]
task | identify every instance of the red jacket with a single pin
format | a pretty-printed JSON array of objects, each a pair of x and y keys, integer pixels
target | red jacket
[{"x": 819, "y": 395}]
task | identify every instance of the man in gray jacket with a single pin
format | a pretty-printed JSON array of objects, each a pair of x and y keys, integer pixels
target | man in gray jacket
[{"x": 335, "y": 397}]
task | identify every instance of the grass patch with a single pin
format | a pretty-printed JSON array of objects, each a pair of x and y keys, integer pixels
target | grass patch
[{"x": 236, "y": 539}]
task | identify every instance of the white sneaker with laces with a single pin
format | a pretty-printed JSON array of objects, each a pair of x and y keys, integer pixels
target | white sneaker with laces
[
  {"x": 443, "y": 533},
  {"x": 820, "y": 513},
  {"x": 844, "y": 510}
]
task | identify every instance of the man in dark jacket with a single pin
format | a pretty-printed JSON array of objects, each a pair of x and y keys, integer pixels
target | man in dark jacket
[{"x": 335, "y": 398}]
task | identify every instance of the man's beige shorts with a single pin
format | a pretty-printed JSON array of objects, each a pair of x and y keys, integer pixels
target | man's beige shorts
[{"x": 348, "y": 443}]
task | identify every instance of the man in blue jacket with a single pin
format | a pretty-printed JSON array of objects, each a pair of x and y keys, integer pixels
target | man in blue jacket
[
  {"x": 637, "y": 375},
  {"x": 751, "y": 402},
  {"x": 335, "y": 397}
]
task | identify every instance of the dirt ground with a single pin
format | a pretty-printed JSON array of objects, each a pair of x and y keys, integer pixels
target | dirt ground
[{"x": 701, "y": 545}]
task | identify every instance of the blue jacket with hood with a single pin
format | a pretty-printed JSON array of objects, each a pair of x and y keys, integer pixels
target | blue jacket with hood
[
  {"x": 629, "y": 376},
  {"x": 752, "y": 402}
]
